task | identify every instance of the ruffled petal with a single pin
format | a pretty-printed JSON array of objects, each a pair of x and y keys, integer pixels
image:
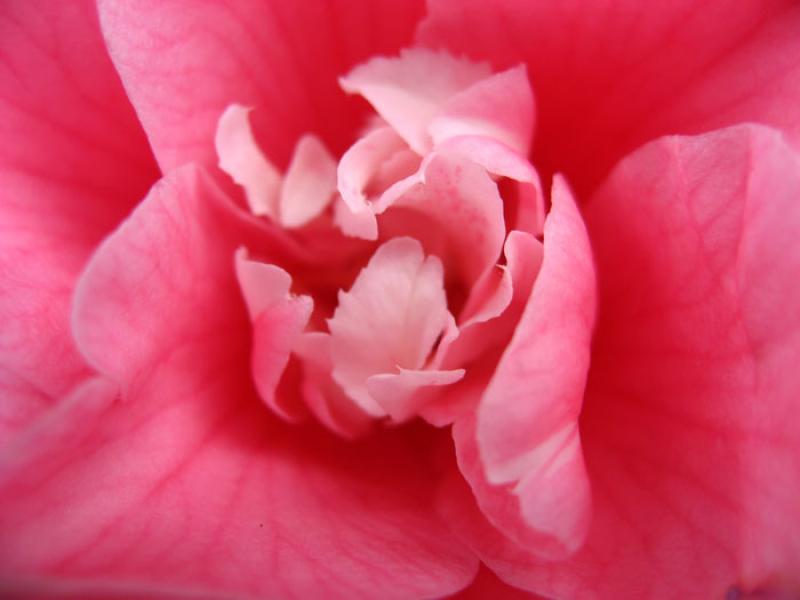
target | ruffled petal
[
  {"x": 186, "y": 483},
  {"x": 390, "y": 319},
  {"x": 409, "y": 90},
  {"x": 688, "y": 424},
  {"x": 525, "y": 463}
]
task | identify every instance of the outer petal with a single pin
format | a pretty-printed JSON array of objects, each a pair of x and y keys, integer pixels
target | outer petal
[
  {"x": 183, "y": 62},
  {"x": 688, "y": 424},
  {"x": 187, "y": 484},
  {"x": 72, "y": 162},
  {"x": 611, "y": 75}
]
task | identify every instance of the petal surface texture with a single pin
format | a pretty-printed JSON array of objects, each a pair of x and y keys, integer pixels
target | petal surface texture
[
  {"x": 181, "y": 482},
  {"x": 71, "y": 169},
  {"x": 612, "y": 75},
  {"x": 688, "y": 426},
  {"x": 183, "y": 63},
  {"x": 389, "y": 320},
  {"x": 408, "y": 91},
  {"x": 522, "y": 454}
]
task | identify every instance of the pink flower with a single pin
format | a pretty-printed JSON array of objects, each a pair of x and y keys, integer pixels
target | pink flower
[{"x": 375, "y": 299}]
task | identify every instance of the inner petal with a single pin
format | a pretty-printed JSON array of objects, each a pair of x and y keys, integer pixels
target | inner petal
[
  {"x": 409, "y": 90},
  {"x": 389, "y": 320}
]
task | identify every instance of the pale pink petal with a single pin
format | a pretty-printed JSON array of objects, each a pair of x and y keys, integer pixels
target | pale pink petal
[
  {"x": 409, "y": 90},
  {"x": 455, "y": 210},
  {"x": 323, "y": 396},
  {"x": 74, "y": 162},
  {"x": 186, "y": 483},
  {"x": 278, "y": 320},
  {"x": 276, "y": 330},
  {"x": 480, "y": 343},
  {"x": 262, "y": 284},
  {"x": 390, "y": 319},
  {"x": 489, "y": 297},
  {"x": 500, "y": 160},
  {"x": 490, "y": 316},
  {"x": 527, "y": 434},
  {"x": 357, "y": 168},
  {"x": 182, "y": 63},
  {"x": 310, "y": 183},
  {"x": 242, "y": 159},
  {"x": 500, "y": 107},
  {"x": 611, "y": 76},
  {"x": 397, "y": 393},
  {"x": 356, "y": 223},
  {"x": 688, "y": 425}
]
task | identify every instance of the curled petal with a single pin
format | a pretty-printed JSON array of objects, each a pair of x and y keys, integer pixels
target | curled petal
[
  {"x": 389, "y": 320},
  {"x": 500, "y": 108},
  {"x": 526, "y": 426},
  {"x": 409, "y": 90},
  {"x": 242, "y": 159}
]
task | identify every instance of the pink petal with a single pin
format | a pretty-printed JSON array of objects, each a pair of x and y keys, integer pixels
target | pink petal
[
  {"x": 186, "y": 484},
  {"x": 409, "y": 90},
  {"x": 183, "y": 63},
  {"x": 278, "y": 320},
  {"x": 488, "y": 322},
  {"x": 389, "y": 320},
  {"x": 357, "y": 168},
  {"x": 688, "y": 424},
  {"x": 398, "y": 393},
  {"x": 499, "y": 107},
  {"x": 455, "y": 210},
  {"x": 74, "y": 161},
  {"x": 526, "y": 430},
  {"x": 611, "y": 77},
  {"x": 323, "y": 396},
  {"x": 309, "y": 185},
  {"x": 263, "y": 285},
  {"x": 242, "y": 159}
]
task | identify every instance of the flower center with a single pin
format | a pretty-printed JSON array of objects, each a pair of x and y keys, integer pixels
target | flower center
[{"x": 415, "y": 202}]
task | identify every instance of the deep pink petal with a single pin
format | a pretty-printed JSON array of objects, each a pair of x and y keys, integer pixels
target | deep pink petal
[
  {"x": 186, "y": 483},
  {"x": 609, "y": 76},
  {"x": 689, "y": 427},
  {"x": 487, "y": 586},
  {"x": 184, "y": 62},
  {"x": 74, "y": 161}
]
